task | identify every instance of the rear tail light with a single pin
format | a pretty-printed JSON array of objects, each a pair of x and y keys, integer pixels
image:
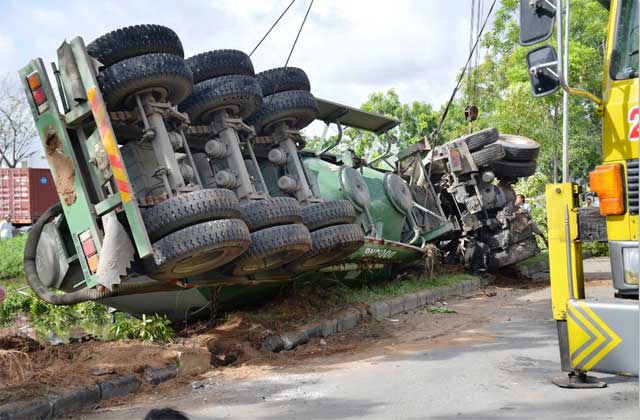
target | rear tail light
[
  {"x": 90, "y": 251},
  {"x": 606, "y": 181},
  {"x": 37, "y": 91},
  {"x": 38, "y": 96},
  {"x": 34, "y": 81}
]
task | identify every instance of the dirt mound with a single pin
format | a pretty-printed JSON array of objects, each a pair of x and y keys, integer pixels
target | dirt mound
[{"x": 19, "y": 343}]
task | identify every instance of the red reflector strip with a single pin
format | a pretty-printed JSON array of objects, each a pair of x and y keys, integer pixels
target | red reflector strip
[{"x": 39, "y": 96}]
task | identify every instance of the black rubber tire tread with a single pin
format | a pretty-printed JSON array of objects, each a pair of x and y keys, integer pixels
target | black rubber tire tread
[
  {"x": 488, "y": 154},
  {"x": 504, "y": 169},
  {"x": 272, "y": 211},
  {"x": 283, "y": 79},
  {"x": 210, "y": 64},
  {"x": 133, "y": 41},
  {"x": 229, "y": 236},
  {"x": 240, "y": 91},
  {"x": 328, "y": 213},
  {"x": 518, "y": 148},
  {"x": 278, "y": 244},
  {"x": 298, "y": 105},
  {"x": 132, "y": 75},
  {"x": 478, "y": 140},
  {"x": 513, "y": 254},
  {"x": 189, "y": 209},
  {"x": 330, "y": 245}
]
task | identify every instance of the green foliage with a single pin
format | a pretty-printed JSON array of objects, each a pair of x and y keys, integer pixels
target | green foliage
[
  {"x": 500, "y": 88},
  {"x": 597, "y": 249},
  {"x": 91, "y": 316},
  {"x": 45, "y": 317},
  {"x": 504, "y": 95},
  {"x": 418, "y": 120},
  {"x": 15, "y": 302},
  {"x": 11, "y": 252},
  {"x": 148, "y": 328},
  {"x": 439, "y": 309}
]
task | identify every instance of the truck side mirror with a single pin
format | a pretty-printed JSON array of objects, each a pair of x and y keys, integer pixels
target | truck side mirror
[
  {"x": 536, "y": 21},
  {"x": 543, "y": 71}
]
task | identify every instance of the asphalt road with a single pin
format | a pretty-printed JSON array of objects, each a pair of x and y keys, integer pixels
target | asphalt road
[{"x": 505, "y": 376}]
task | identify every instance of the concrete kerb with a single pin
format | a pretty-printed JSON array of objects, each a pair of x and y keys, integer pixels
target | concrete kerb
[
  {"x": 377, "y": 311},
  {"x": 61, "y": 405}
]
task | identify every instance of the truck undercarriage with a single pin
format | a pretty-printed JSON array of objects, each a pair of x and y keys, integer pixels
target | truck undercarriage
[{"x": 181, "y": 176}]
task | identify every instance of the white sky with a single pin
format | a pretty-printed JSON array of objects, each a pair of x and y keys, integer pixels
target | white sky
[{"x": 349, "y": 48}]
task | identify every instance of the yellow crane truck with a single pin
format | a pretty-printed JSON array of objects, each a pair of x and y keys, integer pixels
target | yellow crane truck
[{"x": 594, "y": 334}]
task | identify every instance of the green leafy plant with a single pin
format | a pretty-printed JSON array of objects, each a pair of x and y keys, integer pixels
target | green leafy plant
[
  {"x": 597, "y": 249},
  {"x": 46, "y": 317},
  {"x": 439, "y": 309},
  {"x": 148, "y": 328},
  {"x": 17, "y": 301}
]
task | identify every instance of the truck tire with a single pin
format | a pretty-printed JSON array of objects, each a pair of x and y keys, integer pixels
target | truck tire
[
  {"x": 330, "y": 245},
  {"x": 197, "y": 249},
  {"x": 133, "y": 41},
  {"x": 189, "y": 209},
  {"x": 513, "y": 254},
  {"x": 283, "y": 79},
  {"x": 480, "y": 139},
  {"x": 272, "y": 248},
  {"x": 240, "y": 93},
  {"x": 210, "y": 64},
  {"x": 504, "y": 169},
  {"x": 163, "y": 71},
  {"x": 488, "y": 154},
  {"x": 298, "y": 107},
  {"x": 328, "y": 213},
  {"x": 518, "y": 148},
  {"x": 272, "y": 211}
]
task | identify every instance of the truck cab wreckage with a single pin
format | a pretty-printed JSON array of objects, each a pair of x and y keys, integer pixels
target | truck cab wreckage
[{"x": 183, "y": 176}]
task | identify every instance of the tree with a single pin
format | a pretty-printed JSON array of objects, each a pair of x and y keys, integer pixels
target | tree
[
  {"x": 500, "y": 89},
  {"x": 504, "y": 95},
  {"x": 417, "y": 120},
  {"x": 17, "y": 130}
]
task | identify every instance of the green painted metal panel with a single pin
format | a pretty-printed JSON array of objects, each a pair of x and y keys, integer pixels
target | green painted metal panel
[
  {"x": 381, "y": 208},
  {"x": 64, "y": 165},
  {"x": 98, "y": 107}
]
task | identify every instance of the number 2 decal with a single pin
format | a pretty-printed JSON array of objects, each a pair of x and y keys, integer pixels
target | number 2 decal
[{"x": 634, "y": 132}]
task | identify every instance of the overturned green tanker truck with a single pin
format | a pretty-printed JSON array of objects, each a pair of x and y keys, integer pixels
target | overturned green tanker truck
[{"x": 181, "y": 178}]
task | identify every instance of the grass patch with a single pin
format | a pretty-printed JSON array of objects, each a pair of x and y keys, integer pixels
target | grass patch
[
  {"x": 372, "y": 293},
  {"x": 11, "y": 254},
  {"x": 541, "y": 258}
]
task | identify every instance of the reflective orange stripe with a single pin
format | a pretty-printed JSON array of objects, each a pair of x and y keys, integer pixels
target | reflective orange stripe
[{"x": 109, "y": 143}]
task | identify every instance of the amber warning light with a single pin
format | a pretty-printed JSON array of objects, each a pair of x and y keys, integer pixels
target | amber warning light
[{"x": 606, "y": 181}]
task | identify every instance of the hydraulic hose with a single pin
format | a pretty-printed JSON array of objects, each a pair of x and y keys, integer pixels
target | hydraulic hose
[{"x": 85, "y": 294}]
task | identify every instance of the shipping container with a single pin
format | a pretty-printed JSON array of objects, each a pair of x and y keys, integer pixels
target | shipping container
[{"x": 26, "y": 193}]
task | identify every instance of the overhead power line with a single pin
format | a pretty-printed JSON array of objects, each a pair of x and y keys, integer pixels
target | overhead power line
[
  {"x": 437, "y": 131},
  {"x": 271, "y": 28}
]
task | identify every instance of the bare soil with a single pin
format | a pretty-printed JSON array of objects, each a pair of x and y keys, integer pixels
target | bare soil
[{"x": 235, "y": 346}]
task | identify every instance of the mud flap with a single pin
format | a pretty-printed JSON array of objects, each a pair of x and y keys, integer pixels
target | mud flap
[{"x": 116, "y": 254}]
